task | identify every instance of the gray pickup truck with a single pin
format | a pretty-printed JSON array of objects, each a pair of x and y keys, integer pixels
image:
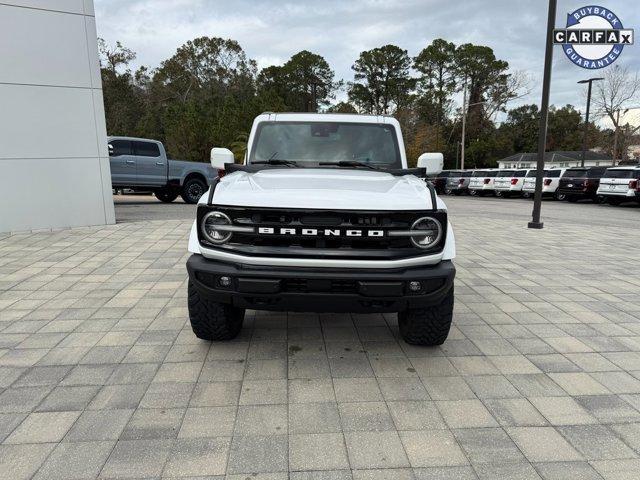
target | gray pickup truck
[{"x": 142, "y": 164}]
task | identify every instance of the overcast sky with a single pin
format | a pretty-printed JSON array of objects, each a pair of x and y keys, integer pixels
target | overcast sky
[{"x": 271, "y": 31}]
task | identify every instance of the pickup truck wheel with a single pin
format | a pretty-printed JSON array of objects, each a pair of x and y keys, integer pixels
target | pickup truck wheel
[
  {"x": 192, "y": 190},
  {"x": 212, "y": 320},
  {"x": 166, "y": 195},
  {"x": 427, "y": 326}
]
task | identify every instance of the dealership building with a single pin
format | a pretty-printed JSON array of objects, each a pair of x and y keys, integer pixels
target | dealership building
[{"x": 53, "y": 149}]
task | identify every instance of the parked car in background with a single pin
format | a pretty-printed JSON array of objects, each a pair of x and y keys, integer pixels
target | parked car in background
[
  {"x": 510, "y": 185},
  {"x": 529, "y": 183},
  {"x": 502, "y": 180},
  {"x": 141, "y": 164},
  {"x": 550, "y": 183},
  {"x": 439, "y": 182},
  {"x": 581, "y": 183},
  {"x": 482, "y": 181},
  {"x": 458, "y": 182},
  {"x": 620, "y": 184}
]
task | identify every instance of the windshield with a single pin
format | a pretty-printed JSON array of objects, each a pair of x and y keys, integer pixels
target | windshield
[
  {"x": 479, "y": 173},
  {"x": 505, "y": 173},
  {"x": 532, "y": 173},
  {"x": 315, "y": 142},
  {"x": 552, "y": 173}
]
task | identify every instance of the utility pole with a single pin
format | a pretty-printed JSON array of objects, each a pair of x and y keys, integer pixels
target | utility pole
[
  {"x": 615, "y": 138},
  {"x": 586, "y": 118},
  {"x": 464, "y": 123},
  {"x": 544, "y": 111}
]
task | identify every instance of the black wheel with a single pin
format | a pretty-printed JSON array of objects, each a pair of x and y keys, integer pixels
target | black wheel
[
  {"x": 427, "y": 326},
  {"x": 498, "y": 193},
  {"x": 559, "y": 196},
  {"x": 448, "y": 191},
  {"x": 193, "y": 189},
  {"x": 212, "y": 320},
  {"x": 614, "y": 201},
  {"x": 572, "y": 199},
  {"x": 166, "y": 195},
  {"x": 526, "y": 195},
  {"x": 473, "y": 193}
]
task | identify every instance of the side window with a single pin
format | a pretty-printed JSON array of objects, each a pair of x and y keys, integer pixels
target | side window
[
  {"x": 119, "y": 147},
  {"x": 146, "y": 149}
]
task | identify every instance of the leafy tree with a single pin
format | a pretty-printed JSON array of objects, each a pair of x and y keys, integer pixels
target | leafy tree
[
  {"x": 437, "y": 83},
  {"x": 309, "y": 80},
  {"x": 520, "y": 129},
  {"x": 342, "y": 107},
  {"x": 564, "y": 128},
  {"x": 122, "y": 98},
  {"x": 382, "y": 82},
  {"x": 304, "y": 82}
]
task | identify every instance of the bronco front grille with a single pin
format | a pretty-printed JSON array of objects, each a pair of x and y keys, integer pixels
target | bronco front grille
[{"x": 326, "y": 233}]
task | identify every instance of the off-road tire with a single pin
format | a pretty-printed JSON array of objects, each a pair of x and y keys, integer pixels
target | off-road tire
[
  {"x": 166, "y": 195},
  {"x": 193, "y": 189},
  {"x": 427, "y": 326},
  {"x": 212, "y": 320}
]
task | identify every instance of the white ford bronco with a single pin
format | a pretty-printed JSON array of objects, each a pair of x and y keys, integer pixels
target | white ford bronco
[{"x": 323, "y": 216}]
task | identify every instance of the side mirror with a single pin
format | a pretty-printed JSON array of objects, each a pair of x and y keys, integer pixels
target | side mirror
[
  {"x": 220, "y": 156},
  {"x": 432, "y": 162}
]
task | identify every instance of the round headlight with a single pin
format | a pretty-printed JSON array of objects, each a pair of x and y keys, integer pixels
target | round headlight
[
  {"x": 432, "y": 232},
  {"x": 209, "y": 229}
]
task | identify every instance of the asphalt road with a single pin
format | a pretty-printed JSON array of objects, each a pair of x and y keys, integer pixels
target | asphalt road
[{"x": 131, "y": 208}]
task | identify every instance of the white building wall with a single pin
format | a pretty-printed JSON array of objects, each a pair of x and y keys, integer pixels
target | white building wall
[{"x": 54, "y": 164}]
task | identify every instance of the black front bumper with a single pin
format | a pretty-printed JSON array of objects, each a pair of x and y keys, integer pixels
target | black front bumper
[{"x": 320, "y": 289}]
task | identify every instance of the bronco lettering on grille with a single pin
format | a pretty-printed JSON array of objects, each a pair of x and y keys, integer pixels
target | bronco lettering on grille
[{"x": 318, "y": 232}]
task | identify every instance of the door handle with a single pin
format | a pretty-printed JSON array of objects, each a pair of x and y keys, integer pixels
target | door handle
[
  {"x": 131, "y": 161},
  {"x": 159, "y": 163}
]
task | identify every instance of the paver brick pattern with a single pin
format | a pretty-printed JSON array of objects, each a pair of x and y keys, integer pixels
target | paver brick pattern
[{"x": 101, "y": 376}]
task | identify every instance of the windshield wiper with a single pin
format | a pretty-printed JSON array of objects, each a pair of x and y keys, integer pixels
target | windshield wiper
[
  {"x": 350, "y": 163},
  {"x": 276, "y": 161}
]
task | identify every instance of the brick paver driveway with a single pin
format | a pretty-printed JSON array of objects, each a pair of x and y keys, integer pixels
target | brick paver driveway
[{"x": 100, "y": 375}]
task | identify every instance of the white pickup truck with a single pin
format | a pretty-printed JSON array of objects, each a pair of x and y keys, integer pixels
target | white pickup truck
[{"x": 324, "y": 216}]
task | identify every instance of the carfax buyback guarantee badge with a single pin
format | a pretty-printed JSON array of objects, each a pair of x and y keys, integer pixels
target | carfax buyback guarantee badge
[{"x": 593, "y": 38}]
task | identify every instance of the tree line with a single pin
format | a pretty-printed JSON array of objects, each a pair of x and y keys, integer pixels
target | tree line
[{"x": 209, "y": 91}]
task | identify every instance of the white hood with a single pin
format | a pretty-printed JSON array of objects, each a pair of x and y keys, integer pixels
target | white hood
[{"x": 344, "y": 189}]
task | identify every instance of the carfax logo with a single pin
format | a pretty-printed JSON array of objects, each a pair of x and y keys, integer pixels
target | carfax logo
[{"x": 593, "y": 38}]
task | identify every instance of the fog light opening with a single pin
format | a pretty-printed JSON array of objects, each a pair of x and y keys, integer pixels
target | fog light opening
[
  {"x": 415, "y": 286},
  {"x": 224, "y": 282}
]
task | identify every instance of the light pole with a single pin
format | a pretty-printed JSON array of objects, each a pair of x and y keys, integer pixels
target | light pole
[
  {"x": 586, "y": 118},
  {"x": 464, "y": 121},
  {"x": 544, "y": 110}
]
